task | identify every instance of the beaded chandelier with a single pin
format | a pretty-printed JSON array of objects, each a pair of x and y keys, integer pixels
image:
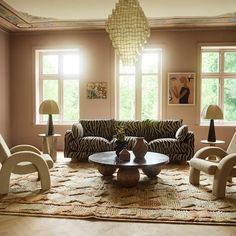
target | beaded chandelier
[{"x": 128, "y": 30}]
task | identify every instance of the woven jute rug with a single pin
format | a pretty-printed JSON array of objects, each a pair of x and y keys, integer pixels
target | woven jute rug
[{"x": 79, "y": 191}]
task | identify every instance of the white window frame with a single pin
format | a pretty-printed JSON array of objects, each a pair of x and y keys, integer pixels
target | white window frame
[
  {"x": 60, "y": 77},
  {"x": 221, "y": 76},
  {"x": 138, "y": 84}
]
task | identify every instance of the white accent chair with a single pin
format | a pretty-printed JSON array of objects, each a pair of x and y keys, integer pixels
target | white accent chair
[
  {"x": 23, "y": 159},
  {"x": 215, "y": 161}
]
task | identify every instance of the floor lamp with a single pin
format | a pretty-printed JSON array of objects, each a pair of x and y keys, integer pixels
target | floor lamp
[
  {"x": 212, "y": 112},
  {"x": 49, "y": 107}
]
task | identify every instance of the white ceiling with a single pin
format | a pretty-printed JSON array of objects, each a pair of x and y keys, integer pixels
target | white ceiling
[{"x": 100, "y": 9}]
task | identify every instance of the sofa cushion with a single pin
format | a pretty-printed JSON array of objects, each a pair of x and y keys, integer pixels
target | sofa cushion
[
  {"x": 91, "y": 144},
  {"x": 132, "y": 128},
  {"x": 160, "y": 129},
  {"x": 182, "y": 133},
  {"x": 77, "y": 130},
  {"x": 99, "y": 128},
  {"x": 167, "y": 146}
]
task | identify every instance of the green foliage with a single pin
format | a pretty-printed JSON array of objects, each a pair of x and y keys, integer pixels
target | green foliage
[
  {"x": 210, "y": 86},
  {"x": 210, "y": 62}
]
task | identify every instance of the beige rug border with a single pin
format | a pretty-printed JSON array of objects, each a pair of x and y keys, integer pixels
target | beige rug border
[{"x": 94, "y": 217}]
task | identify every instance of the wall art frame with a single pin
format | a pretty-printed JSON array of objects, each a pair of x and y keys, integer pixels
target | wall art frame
[
  {"x": 181, "y": 88},
  {"x": 97, "y": 90}
]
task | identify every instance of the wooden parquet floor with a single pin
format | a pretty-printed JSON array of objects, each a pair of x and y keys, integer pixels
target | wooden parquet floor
[
  {"x": 42, "y": 226},
  {"x": 37, "y": 226}
]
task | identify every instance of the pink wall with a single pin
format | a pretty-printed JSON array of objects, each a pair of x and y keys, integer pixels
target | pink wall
[
  {"x": 180, "y": 50},
  {"x": 4, "y": 87}
]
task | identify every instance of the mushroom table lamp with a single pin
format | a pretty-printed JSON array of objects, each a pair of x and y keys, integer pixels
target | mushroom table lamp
[
  {"x": 212, "y": 112},
  {"x": 49, "y": 107}
]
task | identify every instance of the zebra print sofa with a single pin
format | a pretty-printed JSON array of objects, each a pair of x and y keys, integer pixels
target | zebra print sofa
[{"x": 169, "y": 137}]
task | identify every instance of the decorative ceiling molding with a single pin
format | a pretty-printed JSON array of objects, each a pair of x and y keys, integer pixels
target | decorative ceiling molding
[{"x": 13, "y": 21}]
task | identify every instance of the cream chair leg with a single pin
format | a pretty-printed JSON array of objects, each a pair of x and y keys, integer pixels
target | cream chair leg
[
  {"x": 5, "y": 175},
  {"x": 44, "y": 176},
  {"x": 194, "y": 176},
  {"x": 219, "y": 184}
]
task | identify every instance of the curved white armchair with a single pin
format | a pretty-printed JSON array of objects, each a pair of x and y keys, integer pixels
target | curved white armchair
[
  {"x": 223, "y": 167},
  {"x": 23, "y": 159}
]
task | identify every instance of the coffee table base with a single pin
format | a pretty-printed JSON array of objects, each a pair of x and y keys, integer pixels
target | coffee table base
[
  {"x": 128, "y": 176},
  {"x": 106, "y": 170},
  {"x": 151, "y": 171}
]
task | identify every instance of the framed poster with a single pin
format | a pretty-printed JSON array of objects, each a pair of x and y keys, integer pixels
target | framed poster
[
  {"x": 181, "y": 87},
  {"x": 97, "y": 90}
]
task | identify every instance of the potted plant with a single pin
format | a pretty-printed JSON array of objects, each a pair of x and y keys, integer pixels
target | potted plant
[{"x": 120, "y": 139}]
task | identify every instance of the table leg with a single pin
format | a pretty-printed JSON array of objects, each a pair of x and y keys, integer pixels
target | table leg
[
  {"x": 128, "y": 176},
  {"x": 106, "y": 170},
  {"x": 53, "y": 148},
  {"x": 151, "y": 171},
  {"x": 45, "y": 146}
]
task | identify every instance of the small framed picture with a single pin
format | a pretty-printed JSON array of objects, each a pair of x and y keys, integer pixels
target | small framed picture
[
  {"x": 97, "y": 90},
  {"x": 181, "y": 88}
]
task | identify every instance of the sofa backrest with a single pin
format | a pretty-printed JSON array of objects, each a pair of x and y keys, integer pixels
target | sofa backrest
[
  {"x": 132, "y": 128},
  {"x": 100, "y": 128},
  {"x": 150, "y": 129},
  {"x": 154, "y": 129}
]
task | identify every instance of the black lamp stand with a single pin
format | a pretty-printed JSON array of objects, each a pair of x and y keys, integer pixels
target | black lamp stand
[
  {"x": 50, "y": 130},
  {"x": 211, "y": 133}
]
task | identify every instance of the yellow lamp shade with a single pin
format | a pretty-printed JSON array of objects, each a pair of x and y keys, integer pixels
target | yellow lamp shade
[
  {"x": 48, "y": 107},
  {"x": 212, "y": 112}
]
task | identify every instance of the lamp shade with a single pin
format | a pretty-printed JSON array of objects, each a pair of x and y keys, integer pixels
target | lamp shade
[
  {"x": 212, "y": 112},
  {"x": 48, "y": 107}
]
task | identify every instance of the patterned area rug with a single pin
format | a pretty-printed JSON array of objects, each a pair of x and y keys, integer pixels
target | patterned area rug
[{"x": 79, "y": 191}]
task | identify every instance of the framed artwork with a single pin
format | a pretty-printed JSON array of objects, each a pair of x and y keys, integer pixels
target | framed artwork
[
  {"x": 181, "y": 88},
  {"x": 97, "y": 90}
]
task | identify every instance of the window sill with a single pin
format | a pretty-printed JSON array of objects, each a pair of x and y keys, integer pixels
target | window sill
[{"x": 219, "y": 123}]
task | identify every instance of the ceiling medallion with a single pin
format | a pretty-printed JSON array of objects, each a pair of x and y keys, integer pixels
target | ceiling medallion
[{"x": 128, "y": 30}]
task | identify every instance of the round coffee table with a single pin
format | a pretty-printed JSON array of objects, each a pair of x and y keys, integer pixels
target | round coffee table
[{"x": 128, "y": 173}]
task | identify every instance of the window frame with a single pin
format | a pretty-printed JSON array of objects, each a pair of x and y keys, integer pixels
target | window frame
[
  {"x": 221, "y": 76},
  {"x": 60, "y": 77},
  {"x": 138, "y": 83}
]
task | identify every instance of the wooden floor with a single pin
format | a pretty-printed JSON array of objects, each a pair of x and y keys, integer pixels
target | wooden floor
[
  {"x": 37, "y": 226},
  {"x": 41, "y": 226}
]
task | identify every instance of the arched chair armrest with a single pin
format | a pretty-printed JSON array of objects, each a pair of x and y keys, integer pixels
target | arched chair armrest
[
  {"x": 203, "y": 165},
  {"x": 223, "y": 173},
  {"x": 11, "y": 163},
  {"x": 203, "y": 153},
  {"x": 24, "y": 147},
  {"x": 228, "y": 162}
]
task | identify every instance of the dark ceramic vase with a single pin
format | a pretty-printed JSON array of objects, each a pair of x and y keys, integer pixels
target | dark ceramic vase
[{"x": 119, "y": 146}]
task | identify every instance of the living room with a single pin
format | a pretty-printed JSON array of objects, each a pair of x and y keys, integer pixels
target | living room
[{"x": 180, "y": 46}]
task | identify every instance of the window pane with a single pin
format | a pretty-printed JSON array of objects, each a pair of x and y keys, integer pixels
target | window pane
[
  {"x": 50, "y": 64},
  {"x": 230, "y": 62},
  {"x": 230, "y": 99},
  {"x": 124, "y": 69},
  {"x": 210, "y": 62},
  {"x": 210, "y": 92},
  {"x": 149, "y": 97},
  {"x": 127, "y": 98},
  {"x": 71, "y": 64},
  {"x": 71, "y": 100},
  {"x": 149, "y": 63},
  {"x": 50, "y": 91}
]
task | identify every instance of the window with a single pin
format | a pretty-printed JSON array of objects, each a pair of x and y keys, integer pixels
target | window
[
  {"x": 57, "y": 78},
  {"x": 218, "y": 79},
  {"x": 138, "y": 87}
]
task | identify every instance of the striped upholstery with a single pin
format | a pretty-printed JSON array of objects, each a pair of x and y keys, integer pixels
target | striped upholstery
[{"x": 91, "y": 136}]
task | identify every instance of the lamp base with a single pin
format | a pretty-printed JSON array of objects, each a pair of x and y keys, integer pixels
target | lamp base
[
  {"x": 211, "y": 133},
  {"x": 50, "y": 129}
]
